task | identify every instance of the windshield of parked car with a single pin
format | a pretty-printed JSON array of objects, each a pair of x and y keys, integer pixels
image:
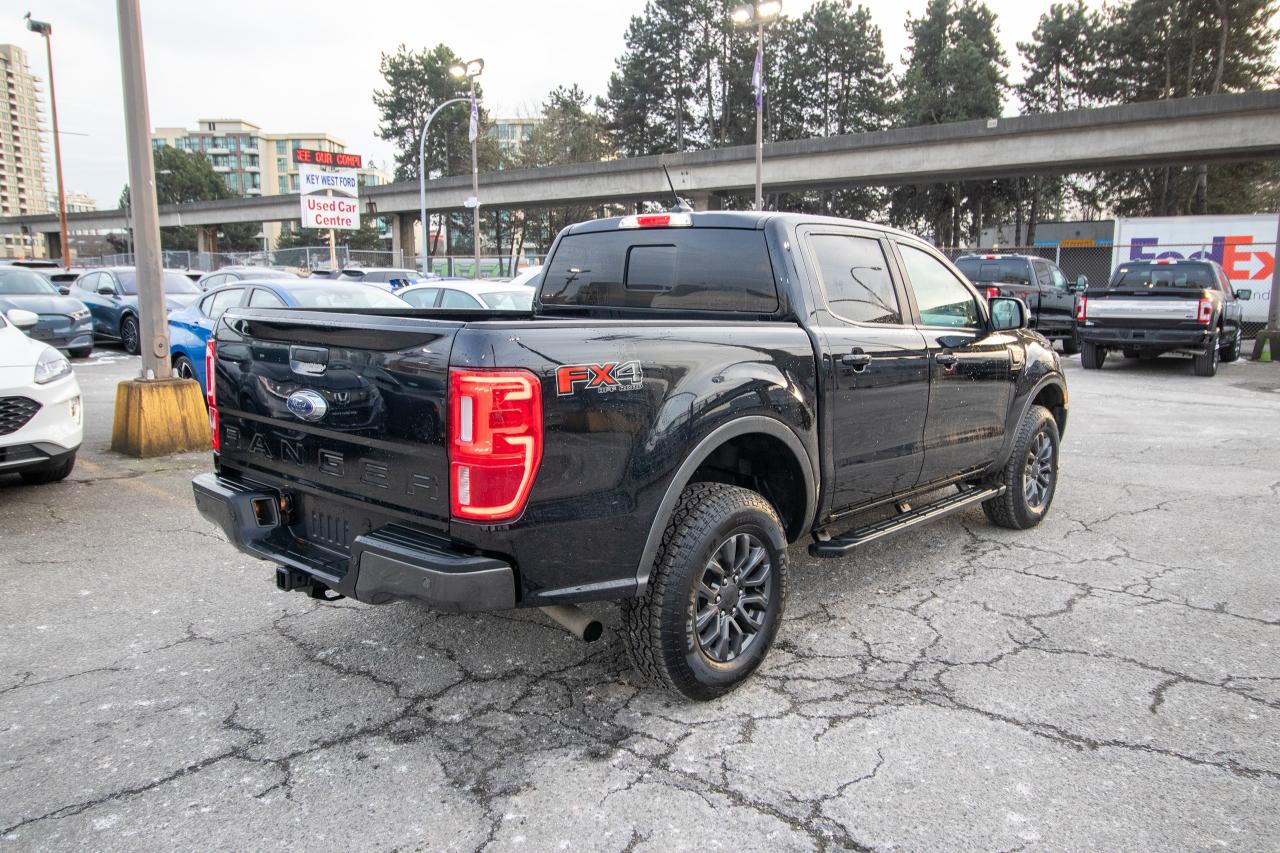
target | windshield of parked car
[
  {"x": 17, "y": 282},
  {"x": 995, "y": 270},
  {"x": 174, "y": 282},
  {"x": 1196, "y": 276},
  {"x": 508, "y": 300},
  {"x": 354, "y": 296}
]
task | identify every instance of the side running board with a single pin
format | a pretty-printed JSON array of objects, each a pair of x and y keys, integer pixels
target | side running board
[{"x": 857, "y": 537}]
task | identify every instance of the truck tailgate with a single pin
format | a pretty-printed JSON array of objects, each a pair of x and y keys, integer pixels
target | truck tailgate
[
  {"x": 344, "y": 407},
  {"x": 1151, "y": 308}
]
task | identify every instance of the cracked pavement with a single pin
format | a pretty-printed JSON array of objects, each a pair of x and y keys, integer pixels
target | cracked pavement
[{"x": 1109, "y": 680}]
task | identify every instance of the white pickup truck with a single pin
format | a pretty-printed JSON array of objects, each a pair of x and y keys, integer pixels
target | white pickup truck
[{"x": 1149, "y": 308}]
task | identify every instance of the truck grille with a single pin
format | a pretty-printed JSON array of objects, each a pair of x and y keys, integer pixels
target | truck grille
[{"x": 15, "y": 412}]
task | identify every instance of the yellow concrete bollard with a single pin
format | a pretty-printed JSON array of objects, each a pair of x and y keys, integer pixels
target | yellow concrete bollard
[{"x": 157, "y": 417}]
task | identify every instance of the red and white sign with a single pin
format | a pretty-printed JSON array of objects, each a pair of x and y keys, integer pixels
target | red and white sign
[
  {"x": 336, "y": 212},
  {"x": 1245, "y": 245}
]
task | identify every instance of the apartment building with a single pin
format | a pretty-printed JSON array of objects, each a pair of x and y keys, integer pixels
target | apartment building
[
  {"x": 511, "y": 133},
  {"x": 22, "y": 150}
]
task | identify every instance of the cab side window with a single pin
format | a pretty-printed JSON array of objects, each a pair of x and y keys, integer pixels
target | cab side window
[
  {"x": 215, "y": 306},
  {"x": 1042, "y": 273},
  {"x": 1059, "y": 280},
  {"x": 942, "y": 298},
  {"x": 262, "y": 298},
  {"x": 855, "y": 278}
]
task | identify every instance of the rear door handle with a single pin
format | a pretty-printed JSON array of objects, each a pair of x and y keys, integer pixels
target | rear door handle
[{"x": 946, "y": 359}]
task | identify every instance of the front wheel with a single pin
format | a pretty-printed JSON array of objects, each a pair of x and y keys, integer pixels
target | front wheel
[
  {"x": 129, "y": 336},
  {"x": 44, "y": 476},
  {"x": 715, "y": 596},
  {"x": 81, "y": 352},
  {"x": 1092, "y": 356},
  {"x": 1030, "y": 477},
  {"x": 184, "y": 368}
]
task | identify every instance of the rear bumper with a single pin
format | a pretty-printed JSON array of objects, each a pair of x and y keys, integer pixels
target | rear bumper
[
  {"x": 385, "y": 565},
  {"x": 1168, "y": 339}
]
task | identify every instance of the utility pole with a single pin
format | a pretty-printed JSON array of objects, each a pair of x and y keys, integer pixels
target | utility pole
[
  {"x": 422, "y": 182},
  {"x": 46, "y": 30}
]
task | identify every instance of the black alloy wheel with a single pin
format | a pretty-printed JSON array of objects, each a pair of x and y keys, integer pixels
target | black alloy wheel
[
  {"x": 1038, "y": 473},
  {"x": 129, "y": 336},
  {"x": 733, "y": 597}
]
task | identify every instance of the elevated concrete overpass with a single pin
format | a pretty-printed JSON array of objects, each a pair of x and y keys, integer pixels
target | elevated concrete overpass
[{"x": 1210, "y": 129}]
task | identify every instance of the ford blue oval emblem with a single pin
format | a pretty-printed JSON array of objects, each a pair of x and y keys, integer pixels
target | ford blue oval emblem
[{"x": 307, "y": 405}]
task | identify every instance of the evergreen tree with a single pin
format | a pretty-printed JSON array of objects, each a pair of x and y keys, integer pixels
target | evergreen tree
[{"x": 367, "y": 237}]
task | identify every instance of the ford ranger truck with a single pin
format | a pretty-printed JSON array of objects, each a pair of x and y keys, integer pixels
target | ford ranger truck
[
  {"x": 1149, "y": 308},
  {"x": 690, "y": 394}
]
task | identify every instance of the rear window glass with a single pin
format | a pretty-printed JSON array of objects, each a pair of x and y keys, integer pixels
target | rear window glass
[
  {"x": 995, "y": 271},
  {"x": 344, "y": 296},
  {"x": 1196, "y": 276},
  {"x": 694, "y": 269}
]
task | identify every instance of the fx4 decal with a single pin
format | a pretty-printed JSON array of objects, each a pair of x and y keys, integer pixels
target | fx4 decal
[{"x": 614, "y": 376}]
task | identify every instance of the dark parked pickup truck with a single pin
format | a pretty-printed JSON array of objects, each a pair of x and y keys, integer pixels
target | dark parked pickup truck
[
  {"x": 689, "y": 394},
  {"x": 1035, "y": 281},
  {"x": 1149, "y": 308}
]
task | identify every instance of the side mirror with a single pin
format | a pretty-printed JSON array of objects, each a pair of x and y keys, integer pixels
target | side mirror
[
  {"x": 1081, "y": 285},
  {"x": 22, "y": 319},
  {"x": 1244, "y": 295},
  {"x": 106, "y": 290},
  {"x": 1007, "y": 313},
  {"x": 64, "y": 290}
]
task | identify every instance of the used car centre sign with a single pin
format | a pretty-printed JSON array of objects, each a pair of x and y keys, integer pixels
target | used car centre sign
[{"x": 329, "y": 197}]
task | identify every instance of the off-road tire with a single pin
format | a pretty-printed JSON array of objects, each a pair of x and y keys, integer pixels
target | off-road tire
[
  {"x": 1231, "y": 352},
  {"x": 659, "y": 626},
  {"x": 130, "y": 335},
  {"x": 1207, "y": 364},
  {"x": 1071, "y": 344},
  {"x": 1092, "y": 356},
  {"x": 1013, "y": 509},
  {"x": 43, "y": 476}
]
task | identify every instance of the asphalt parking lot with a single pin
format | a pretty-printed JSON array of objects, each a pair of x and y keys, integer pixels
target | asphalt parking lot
[{"x": 1109, "y": 680}]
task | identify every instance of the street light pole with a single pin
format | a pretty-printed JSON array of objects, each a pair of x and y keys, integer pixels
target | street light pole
[
  {"x": 760, "y": 12},
  {"x": 46, "y": 30},
  {"x": 422, "y": 182},
  {"x": 471, "y": 70}
]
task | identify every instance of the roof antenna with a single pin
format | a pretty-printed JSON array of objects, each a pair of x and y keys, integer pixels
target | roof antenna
[{"x": 680, "y": 206}]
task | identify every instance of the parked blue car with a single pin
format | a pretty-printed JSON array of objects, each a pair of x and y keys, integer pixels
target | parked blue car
[
  {"x": 111, "y": 294},
  {"x": 191, "y": 327}
]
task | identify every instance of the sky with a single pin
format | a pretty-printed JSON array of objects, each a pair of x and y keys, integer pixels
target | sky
[{"x": 291, "y": 66}]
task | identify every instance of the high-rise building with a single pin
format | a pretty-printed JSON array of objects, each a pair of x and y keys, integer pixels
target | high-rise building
[
  {"x": 22, "y": 167},
  {"x": 253, "y": 162},
  {"x": 511, "y": 133}
]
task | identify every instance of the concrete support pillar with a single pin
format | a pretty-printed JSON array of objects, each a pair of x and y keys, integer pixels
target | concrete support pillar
[
  {"x": 703, "y": 201},
  {"x": 404, "y": 238},
  {"x": 207, "y": 238},
  {"x": 53, "y": 243}
]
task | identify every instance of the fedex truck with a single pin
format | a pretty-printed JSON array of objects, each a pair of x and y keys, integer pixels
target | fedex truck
[{"x": 1245, "y": 246}]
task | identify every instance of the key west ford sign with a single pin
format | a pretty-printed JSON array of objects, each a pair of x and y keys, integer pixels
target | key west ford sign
[
  {"x": 1245, "y": 246},
  {"x": 330, "y": 198}
]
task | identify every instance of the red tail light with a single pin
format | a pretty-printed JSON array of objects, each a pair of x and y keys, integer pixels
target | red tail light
[
  {"x": 657, "y": 220},
  {"x": 1082, "y": 309},
  {"x": 993, "y": 292},
  {"x": 1204, "y": 314},
  {"x": 495, "y": 442},
  {"x": 211, "y": 390}
]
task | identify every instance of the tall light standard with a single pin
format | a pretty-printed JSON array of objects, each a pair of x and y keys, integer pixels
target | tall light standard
[
  {"x": 422, "y": 181},
  {"x": 469, "y": 71},
  {"x": 760, "y": 13},
  {"x": 46, "y": 30}
]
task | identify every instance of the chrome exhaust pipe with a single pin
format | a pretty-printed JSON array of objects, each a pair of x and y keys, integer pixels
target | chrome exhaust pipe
[{"x": 575, "y": 620}]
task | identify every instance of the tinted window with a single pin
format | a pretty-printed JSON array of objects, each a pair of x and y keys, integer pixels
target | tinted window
[
  {"x": 425, "y": 298},
  {"x": 1042, "y": 273},
  {"x": 174, "y": 282},
  {"x": 264, "y": 299},
  {"x": 1197, "y": 276},
  {"x": 690, "y": 269},
  {"x": 1059, "y": 280},
  {"x": 344, "y": 296},
  {"x": 995, "y": 270},
  {"x": 942, "y": 298},
  {"x": 15, "y": 282},
  {"x": 216, "y": 305},
  {"x": 856, "y": 278},
  {"x": 458, "y": 299}
]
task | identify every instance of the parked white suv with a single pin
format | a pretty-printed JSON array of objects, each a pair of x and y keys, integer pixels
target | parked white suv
[{"x": 41, "y": 411}]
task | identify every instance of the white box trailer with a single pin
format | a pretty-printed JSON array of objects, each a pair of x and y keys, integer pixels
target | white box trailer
[{"x": 1244, "y": 244}]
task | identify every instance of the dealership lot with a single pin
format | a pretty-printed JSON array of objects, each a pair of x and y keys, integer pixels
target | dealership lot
[{"x": 1110, "y": 679}]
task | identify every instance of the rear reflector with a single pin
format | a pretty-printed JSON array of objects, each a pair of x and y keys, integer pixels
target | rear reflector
[
  {"x": 1082, "y": 309},
  {"x": 657, "y": 220},
  {"x": 211, "y": 390},
  {"x": 1204, "y": 314},
  {"x": 495, "y": 444}
]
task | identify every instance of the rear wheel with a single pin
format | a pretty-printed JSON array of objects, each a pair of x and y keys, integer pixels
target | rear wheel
[
  {"x": 129, "y": 337},
  {"x": 1030, "y": 477},
  {"x": 1071, "y": 344},
  {"x": 184, "y": 368},
  {"x": 1206, "y": 364},
  {"x": 1092, "y": 356},
  {"x": 52, "y": 474},
  {"x": 1232, "y": 350},
  {"x": 715, "y": 596}
]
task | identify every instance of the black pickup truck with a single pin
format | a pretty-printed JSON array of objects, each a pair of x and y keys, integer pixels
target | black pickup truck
[
  {"x": 1149, "y": 308},
  {"x": 690, "y": 393},
  {"x": 1037, "y": 282}
]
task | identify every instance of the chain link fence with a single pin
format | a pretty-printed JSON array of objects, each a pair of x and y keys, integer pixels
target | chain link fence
[
  {"x": 1250, "y": 266},
  {"x": 457, "y": 266}
]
